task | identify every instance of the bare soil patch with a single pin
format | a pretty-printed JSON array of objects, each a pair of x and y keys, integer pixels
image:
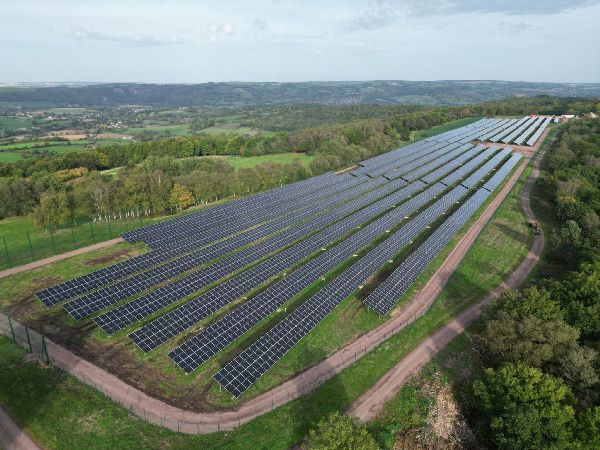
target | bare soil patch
[{"x": 118, "y": 254}]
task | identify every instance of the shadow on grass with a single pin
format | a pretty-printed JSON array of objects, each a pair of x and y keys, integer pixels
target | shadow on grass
[
  {"x": 510, "y": 232},
  {"x": 306, "y": 414}
]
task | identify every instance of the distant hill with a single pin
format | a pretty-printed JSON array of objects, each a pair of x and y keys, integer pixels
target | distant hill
[{"x": 249, "y": 94}]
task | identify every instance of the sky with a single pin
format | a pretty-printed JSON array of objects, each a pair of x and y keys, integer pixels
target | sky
[{"x": 185, "y": 41}]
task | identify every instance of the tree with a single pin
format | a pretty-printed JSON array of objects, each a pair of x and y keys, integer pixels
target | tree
[
  {"x": 527, "y": 326},
  {"x": 54, "y": 209},
  {"x": 180, "y": 198},
  {"x": 525, "y": 408},
  {"x": 588, "y": 428},
  {"x": 341, "y": 432}
]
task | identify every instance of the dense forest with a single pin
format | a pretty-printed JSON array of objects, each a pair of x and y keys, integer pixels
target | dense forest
[
  {"x": 166, "y": 176},
  {"x": 331, "y": 93}
]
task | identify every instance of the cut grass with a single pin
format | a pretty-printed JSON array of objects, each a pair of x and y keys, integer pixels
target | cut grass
[
  {"x": 244, "y": 162},
  {"x": 288, "y": 424},
  {"x": 219, "y": 130},
  {"x": 14, "y": 232}
]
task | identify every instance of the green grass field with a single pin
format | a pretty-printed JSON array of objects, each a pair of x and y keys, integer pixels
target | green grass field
[
  {"x": 17, "y": 232},
  {"x": 228, "y": 130},
  {"x": 73, "y": 415},
  {"x": 12, "y": 122},
  {"x": 175, "y": 130},
  {"x": 12, "y": 152},
  {"x": 242, "y": 162}
]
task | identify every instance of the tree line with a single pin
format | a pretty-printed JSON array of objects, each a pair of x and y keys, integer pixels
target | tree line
[{"x": 164, "y": 176}]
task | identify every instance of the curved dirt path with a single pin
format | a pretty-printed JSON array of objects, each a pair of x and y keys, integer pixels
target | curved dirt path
[
  {"x": 52, "y": 259},
  {"x": 372, "y": 401},
  {"x": 12, "y": 437},
  {"x": 160, "y": 413}
]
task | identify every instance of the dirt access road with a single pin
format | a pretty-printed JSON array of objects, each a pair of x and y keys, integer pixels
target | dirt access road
[
  {"x": 11, "y": 435},
  {"x": 368, "y": 405}
]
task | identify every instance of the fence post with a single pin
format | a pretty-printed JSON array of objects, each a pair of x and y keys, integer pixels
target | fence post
[
  {"x": 28, "y": 339},
  {"x": 8, "y": 263},
  {"x": 53, "y": 244},
  {"x": 73, "y": 234},
  {"x": 45, "y": 350},
  {"x": 12, "y": 331},
  {"x": 109, "y": 229},
  {"x": 93, "y": 236},
  {"x": 30, "y": 246}
]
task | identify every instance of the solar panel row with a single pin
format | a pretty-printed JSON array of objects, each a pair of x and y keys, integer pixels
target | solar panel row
[
  {"x": 226, "y": 330},
  {"x": 475, "y": 178},
  {"x": 528, "y": 131},
  {"x": 404, "y": 169},
  {"x": 144, "y": 280},
  {"x": 507, "y": 131},
  {"x": 246, "y": 368},
  {"x": 172, "y": 323},
  {"x": 495, "y": 181},
  {"x": 234, "y": 207},
  {"x": 436, "y": 163},
  {"x": 517, "y": 131},
  {"x": 60, "y": 292},
  {"x": 533, "y": 139},
  {"x": 452, "y": 165},
  {"x": 503, "y": 124},
  {"x": 389, "y": 165},
  {"x": 224, "y": 225},
  {"x": 182, "y": 287},
  {"x": 384, "y": 297},
  {"x": 468, "y": 167}
]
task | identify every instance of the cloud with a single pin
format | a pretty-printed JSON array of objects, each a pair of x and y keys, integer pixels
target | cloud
[
  {"x": 382, "y": 13},
  {"x": 81, "y": 33},
  {"x": 210, "y": 34}
]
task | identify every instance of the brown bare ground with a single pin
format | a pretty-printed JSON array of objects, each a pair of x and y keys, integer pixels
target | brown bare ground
[{"x": 119, "y": 254}]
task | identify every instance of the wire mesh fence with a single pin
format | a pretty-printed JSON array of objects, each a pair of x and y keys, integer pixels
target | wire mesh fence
[
  {"x": 25, "y": 337},
  {"x": 22, "y": 247}
]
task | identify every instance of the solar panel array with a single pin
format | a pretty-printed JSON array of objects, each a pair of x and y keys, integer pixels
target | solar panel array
[
  {"x": 239, "y": 263},
  {"x": 246, "y": 368}
]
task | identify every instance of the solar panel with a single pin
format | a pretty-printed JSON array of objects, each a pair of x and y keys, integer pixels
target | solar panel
[
  {"x": 533, "y": 139},
  {"x": 182, "y": 287},
  {"x": 246, "y": 368},
  {"x": 142, "y": 281},
  {"x": 528, "y": 131},
  {"x": 480, "y": 173},
  {"x": 235, "y": 206},
  {"x": 517, "y": 131},
  {"x": 242, "y": 231},
  {"x": 384, "y": 297},
  {"x": 499, "y": 176},
  {"x": 171, "y": 324},
  {"x": 195, "y": 351}
]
